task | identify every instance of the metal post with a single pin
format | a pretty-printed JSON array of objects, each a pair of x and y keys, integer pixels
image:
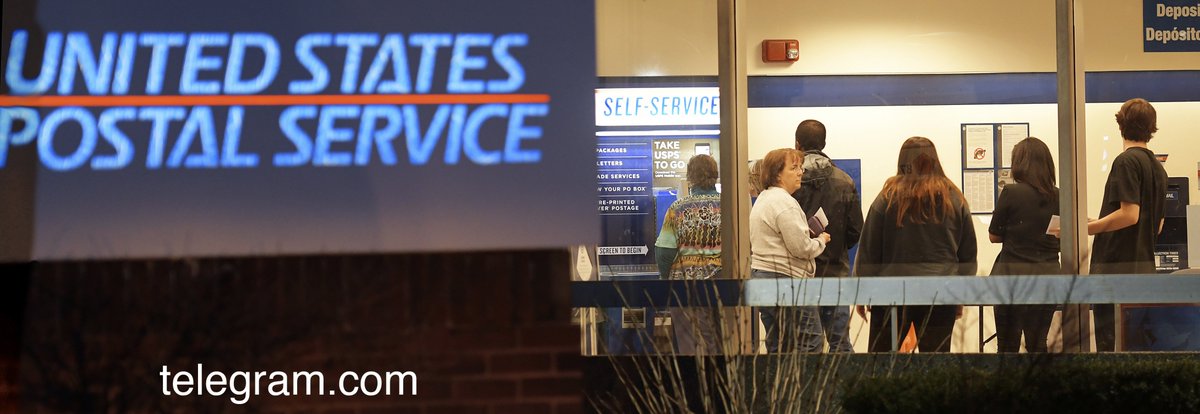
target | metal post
[
  {"x": 894, "y": 313},
  {"x": 981, "y": 340},
  {"x": 735, "y": 199},
  {"x": 1072, "y": 165}
]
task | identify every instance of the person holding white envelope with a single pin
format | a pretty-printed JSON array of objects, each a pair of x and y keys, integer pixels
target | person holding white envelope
[{"x": 1021, "y": 220}]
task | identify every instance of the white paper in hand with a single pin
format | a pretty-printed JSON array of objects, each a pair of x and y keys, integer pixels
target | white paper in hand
[
  {"x": 1055, "y": 226},
  {"x": 817, "y": 223}
]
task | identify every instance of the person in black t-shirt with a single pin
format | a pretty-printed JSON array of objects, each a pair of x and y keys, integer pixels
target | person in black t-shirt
[
  {"x": 1131, "y": 213},
  {"x": 1020, "y": 221}
]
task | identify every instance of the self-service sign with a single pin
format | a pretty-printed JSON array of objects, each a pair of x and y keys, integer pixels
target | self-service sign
[
  {"x": 182, "y": 128},
  {"x": 658, "y": 106}
]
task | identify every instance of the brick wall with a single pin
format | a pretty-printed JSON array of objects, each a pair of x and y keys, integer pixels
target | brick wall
[
  {"x": 484, "y": 332},
  {"x": 14, "y": 282},
  {"x": 9, "y": 386}
]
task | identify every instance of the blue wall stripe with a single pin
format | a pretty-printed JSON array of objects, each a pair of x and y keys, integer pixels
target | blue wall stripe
[
  {"x": 887, "y": 90},
  {"x": 964, "y": 89},
  {"x": 1154, "y": 86}
]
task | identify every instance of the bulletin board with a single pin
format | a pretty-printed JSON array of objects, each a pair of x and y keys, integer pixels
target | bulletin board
[{"x": 987, "y": 161}]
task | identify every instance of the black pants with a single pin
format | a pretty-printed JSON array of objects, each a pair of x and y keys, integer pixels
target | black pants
[
  {"x": 1031, "y": 320},
  {"x": 1105, "y": 319},
  {"x": 933, "y": 324}
]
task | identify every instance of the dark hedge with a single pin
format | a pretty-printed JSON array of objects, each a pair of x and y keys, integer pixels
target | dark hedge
[{"x": 1167, "y": 385}]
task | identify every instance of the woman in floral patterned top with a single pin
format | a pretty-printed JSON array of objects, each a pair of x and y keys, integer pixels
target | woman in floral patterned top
[
  {"x": 689, "y": 248},
  {"x": 689, "y": 245}
]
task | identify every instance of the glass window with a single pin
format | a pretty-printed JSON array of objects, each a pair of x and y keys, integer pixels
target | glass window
[
  {"x": 657, "y": 107},
  {"x": 980, "y": 83},
  {"x": 1139, "y": 180}
]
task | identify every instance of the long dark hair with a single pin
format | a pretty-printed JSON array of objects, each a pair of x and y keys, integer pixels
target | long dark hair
[
  {"x": 1032, "y": 164},
  {"x": 920, "y": 190}
]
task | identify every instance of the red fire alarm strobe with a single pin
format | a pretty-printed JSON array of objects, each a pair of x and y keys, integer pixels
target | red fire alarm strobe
[{"x": 777, "y": 50}]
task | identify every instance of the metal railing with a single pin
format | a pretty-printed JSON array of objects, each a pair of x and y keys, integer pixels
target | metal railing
[
  {"x": 907, "y": 290},
  {"x": 888, "y": 291}
]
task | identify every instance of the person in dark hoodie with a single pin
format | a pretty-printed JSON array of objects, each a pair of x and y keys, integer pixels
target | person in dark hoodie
[
  {"x": 919, "y": 225},
  {"x": 827, "y": 187}
]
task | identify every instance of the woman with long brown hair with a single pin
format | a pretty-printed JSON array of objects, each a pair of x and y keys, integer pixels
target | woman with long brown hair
[
  {"x": 919, "y": 225},
  {"x": 1020, "y": 221}
]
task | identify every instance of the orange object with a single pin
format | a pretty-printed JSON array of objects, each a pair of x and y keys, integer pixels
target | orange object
[{"x": 909, "y": 344}]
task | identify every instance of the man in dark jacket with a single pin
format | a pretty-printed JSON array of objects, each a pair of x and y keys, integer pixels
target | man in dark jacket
[{"x": 827, "y": 187}]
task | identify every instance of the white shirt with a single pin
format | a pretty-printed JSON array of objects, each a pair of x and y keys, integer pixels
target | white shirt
[{"x": 779, "y": 236}]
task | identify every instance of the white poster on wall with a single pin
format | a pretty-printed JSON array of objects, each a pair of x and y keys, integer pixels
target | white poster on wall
[
  {"x": 980, "y": 189},
  {"x": 978, "y": 146},
  {"x": 1010, "y": 135}
]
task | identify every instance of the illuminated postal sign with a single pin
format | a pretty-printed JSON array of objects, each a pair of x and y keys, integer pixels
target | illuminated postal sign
[
  {"x": 170, "y": 128},
  {"x": 657, "y": 106}
]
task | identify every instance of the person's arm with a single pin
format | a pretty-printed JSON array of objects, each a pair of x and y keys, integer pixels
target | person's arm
[
  {"x": 870, "y": 247},
  {"x": 967, "y": 246},
  {"x": 854, "y": 218},
  {"x": 1124, "y": 217},
  {"x": 666, "y": 247},
  {"x": 869, "y": 260},
  {"x": 1125, "y": 181},
  {"x": 999, "y": 225},
  {"x": 967, "y": 250},
  {"x": 664, "y": 257},
  {"x": 793, "y": 226}
]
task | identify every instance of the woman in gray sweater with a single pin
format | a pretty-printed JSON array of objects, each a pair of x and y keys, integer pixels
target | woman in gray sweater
[{"x": 782, "y": 247}]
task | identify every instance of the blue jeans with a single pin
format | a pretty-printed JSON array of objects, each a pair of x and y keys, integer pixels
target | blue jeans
[
  {"x": 790, "y": 328},
  {"x": 836, "y": 322}
]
